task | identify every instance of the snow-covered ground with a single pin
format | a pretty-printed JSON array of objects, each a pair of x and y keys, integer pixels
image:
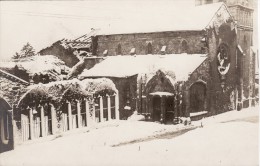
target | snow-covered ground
[{"x": 227, "y": 139}]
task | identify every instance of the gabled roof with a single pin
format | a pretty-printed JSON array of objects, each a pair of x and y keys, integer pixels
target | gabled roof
[
  {"x": 125, "y": 66},
  {"x": 179, "y": 18}
]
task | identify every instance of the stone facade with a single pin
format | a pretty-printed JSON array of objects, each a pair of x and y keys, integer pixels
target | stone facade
[
  {"x": 174, "y": 42},
  {"x": 242, "y": 12}
]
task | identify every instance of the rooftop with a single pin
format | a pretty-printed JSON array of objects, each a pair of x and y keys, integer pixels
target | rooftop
[
  {"x": 179, "y": 18},
  {"x": 124, "y": 66}
]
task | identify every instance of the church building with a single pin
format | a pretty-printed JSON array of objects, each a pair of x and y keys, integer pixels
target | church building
[{"x": 184, "y": 65}]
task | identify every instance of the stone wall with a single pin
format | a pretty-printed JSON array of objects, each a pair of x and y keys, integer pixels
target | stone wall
[
  {"x": 139, "y": 41},
  {"x": 124, "y": 86},
  {"x": 222, "y": 99}
]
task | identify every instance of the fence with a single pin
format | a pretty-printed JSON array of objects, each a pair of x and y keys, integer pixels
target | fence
[{"x": 37, "y": 124}]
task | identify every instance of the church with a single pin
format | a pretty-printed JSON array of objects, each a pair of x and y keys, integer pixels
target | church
[{"x": 194, "y": 64}]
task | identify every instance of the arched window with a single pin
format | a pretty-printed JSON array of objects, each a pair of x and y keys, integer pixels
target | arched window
[
  {"x": 119, "y": 49},
  {"x": 149, "y": 48},
  {"x": 184, "y": 46}
]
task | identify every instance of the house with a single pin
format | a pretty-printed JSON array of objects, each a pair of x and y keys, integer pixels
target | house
[{"x": 215, "y": 84}]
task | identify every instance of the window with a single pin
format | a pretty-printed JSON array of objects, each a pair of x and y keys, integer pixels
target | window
[
  {"x": 105, "y": 53},
  {"x": 132, "y": 52},
  {"x": 119, "y": 49},
  {"x": 163, "y": 50},
  {"x": 184, "y": 46},
  {"x": 149, "y": 48}
]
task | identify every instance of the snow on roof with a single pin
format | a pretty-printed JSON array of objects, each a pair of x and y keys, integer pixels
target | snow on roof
[
  {"x": 124, "y": 66},
  {"x": 176, "y": 18},
  {"x": 54, "y": 91},
  {"x": 42, "y": 64},
  {"x": 96, "y": 85}
]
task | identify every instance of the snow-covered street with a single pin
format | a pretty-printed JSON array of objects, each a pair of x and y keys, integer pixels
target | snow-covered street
[{"x": 226, "y": 139}]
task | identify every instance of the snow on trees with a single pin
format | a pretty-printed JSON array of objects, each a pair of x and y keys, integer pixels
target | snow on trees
[{"x": 26, "y": 51}]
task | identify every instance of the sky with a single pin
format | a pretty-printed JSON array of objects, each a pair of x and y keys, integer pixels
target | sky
[{"x": 41, "y": 23}]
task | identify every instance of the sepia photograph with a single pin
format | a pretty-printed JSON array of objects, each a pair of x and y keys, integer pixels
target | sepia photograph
[{"x": 129, "y": 83}]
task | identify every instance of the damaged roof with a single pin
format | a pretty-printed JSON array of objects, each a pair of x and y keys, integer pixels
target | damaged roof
[{"x": 47, "y": 64}]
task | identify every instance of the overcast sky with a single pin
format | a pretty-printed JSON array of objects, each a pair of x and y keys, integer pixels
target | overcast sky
[{"x": 43, "y": 22}]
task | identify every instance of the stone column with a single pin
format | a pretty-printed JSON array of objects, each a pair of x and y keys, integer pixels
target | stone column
[
  {"x": 42, "y": 121},
  {"x": 69, "y": 115},
  {"x": 117, "y": 106},
  {"x": 78, "y": 114},
  {"x": 162, "y": 109},
  {"x": 94, "y": 111},
  {"x": 87, "y": 112},
  {"x": 187, "y": 103},
  {"x": 53, "y": 119},
  {"x": 108, "y": 108},
  {"x": 31, "y": 123},
  {"x": 101, "y": 109},
  {"x": 175, "y": 105}
]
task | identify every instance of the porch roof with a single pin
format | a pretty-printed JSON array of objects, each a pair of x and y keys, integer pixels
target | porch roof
[
  {"x": 161, "y": 94},
  {"x": 125, "y": 66}
]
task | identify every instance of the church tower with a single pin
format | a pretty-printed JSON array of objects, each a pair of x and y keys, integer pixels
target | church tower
[{"x": 242, "y": 12}]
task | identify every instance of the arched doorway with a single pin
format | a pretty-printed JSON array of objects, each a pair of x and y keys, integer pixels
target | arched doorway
[
  {"x": 6, "y": 129},
  {"x": 197, "y": 97}
]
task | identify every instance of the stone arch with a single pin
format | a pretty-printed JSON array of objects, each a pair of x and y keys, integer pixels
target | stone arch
[
  {"x": 184, "y": 46},
  {"x": 159, "y": 82},
  {"x": 6, "y": 136},
  {"x": 198, "y": 96},
  {"x": 149, "y": 48},
  {"x": 119, "y": 49}
]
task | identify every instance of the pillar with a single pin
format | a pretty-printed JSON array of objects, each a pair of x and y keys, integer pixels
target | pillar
[
  {"x": 175, "y": 105},
  {"x": 87, "y": 112},
  {"x": 31, "y": 123},
  {"x": 117, "y": 106},
  {"x": 186, "y": 97},
  {"x": 94, "y": 111},
  {"x": 53, "y": 119},
  {"x": 101, "y": 109},
  {"x": 162, "y": 109},
  {"x": 69, "y": 115},
  {"x": 42, "y": 121},
  {"x": 108, "y": 108},
  {"x": 78, "y": 114}
]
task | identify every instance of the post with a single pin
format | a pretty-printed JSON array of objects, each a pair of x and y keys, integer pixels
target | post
[
  {"x": 162, "y": 109},
  {"x": 101, "y": 109},
  {"x": 78, "y": 113},
  {"x": 94, "y": 111},
  {"x": 42, "y": 121},
  {"x": 108, "y": 108},
  {"x": 31, "y": 123},
  {"x": 69, "y": 115},
  {"x": 187, "y": 103},
  {"x": 53, "y": 119},
  {"x": 87, "y": 113},
  {"x": 117, "y": 106}
]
